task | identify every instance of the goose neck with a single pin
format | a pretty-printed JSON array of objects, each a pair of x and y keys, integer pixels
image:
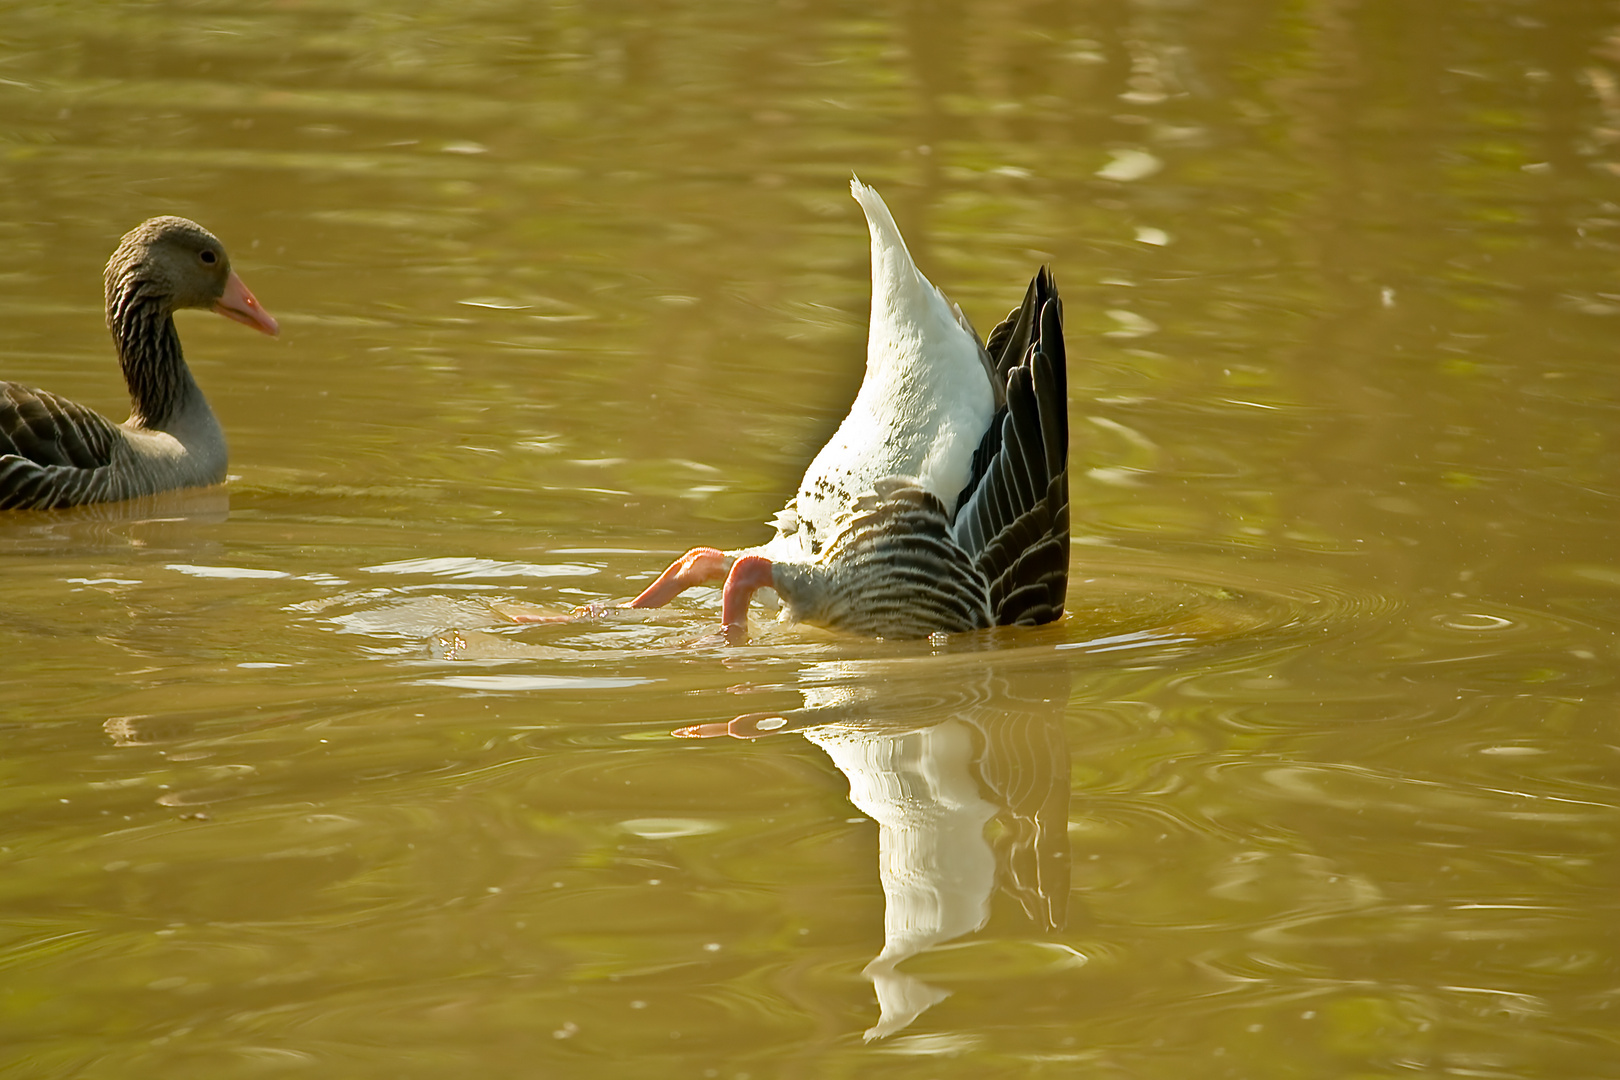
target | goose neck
[{"x": 160, "y": 384}]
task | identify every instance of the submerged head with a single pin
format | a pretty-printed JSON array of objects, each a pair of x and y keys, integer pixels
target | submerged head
[{"x": 179, "y": 264}]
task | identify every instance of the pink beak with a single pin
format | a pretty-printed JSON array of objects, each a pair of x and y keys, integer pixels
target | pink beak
[{"x": 239, "y": 304}]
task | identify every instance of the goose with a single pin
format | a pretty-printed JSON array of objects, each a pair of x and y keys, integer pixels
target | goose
[
  {"x": 57, "y": 453},
  {"x": 941, "y": 504}
]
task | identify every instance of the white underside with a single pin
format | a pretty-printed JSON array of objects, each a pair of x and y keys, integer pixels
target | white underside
[
  {"x": 921, "y": 411},
  {"x": 191, "y": 453}
]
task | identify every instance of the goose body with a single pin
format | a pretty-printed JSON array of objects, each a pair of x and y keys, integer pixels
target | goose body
[
  {"x": 57, "y": 453},
  {"x": 941, "y": 504}
]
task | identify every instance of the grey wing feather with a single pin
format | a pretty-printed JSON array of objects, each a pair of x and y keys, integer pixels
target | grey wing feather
[
  {"x": 1011, "y": 338},
  {"x": 1004, "y": 350},
  {"x": 50, "y": 448},
  {"x": 1013, "y": 515}
]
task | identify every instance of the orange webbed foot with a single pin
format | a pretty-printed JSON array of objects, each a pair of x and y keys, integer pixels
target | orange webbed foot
[
  {"x": 748, "y": 575},
  {"x": 700, "y": 566}
]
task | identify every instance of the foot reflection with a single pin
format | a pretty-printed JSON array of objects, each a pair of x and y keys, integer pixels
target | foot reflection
[{"x": 968, "y": 793}]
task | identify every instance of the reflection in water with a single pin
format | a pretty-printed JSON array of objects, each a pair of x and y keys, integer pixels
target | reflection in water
[
  {"x": 939, "y": 778},
  {"x": 139, "y": 522}
]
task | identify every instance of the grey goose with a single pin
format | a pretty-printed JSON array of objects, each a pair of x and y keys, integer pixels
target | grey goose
[
  {"x": 941, "y": 504},
  {"x": 57, "y": 453}
]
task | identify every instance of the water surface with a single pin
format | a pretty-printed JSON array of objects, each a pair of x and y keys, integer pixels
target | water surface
[{"x": 1316, "y": 779}]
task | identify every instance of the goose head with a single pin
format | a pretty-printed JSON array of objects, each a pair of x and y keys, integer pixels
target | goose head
[{"x": 174, "y": 263}]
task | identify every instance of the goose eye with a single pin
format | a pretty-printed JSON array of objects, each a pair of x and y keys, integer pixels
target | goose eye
[{"x": 209, "y": 257}]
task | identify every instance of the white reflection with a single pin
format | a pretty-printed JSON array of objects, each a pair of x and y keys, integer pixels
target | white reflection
[
  {"x": 935, "y": 766},
  {"x": 935, "y": 864}
]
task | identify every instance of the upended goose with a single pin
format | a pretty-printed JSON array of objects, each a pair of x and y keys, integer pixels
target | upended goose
[
  {"x": 56, "y": 453},
  {"x": 942, "y": 501}
]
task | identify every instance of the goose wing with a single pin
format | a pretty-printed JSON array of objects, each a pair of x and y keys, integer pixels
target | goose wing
[
  {"x": 1013, "y": 514},
  {"x": 46, "y": 442}
]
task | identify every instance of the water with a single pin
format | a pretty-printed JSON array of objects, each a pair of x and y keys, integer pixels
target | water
[{"x": 1317, "y": 779}]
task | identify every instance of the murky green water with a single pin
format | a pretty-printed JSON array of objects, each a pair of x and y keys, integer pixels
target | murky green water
[{"x": 1318, "y": 778}]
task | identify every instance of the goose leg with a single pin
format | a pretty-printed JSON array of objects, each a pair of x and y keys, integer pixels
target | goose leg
[
  {"x": 700, "y": 566},
  {"x": 748, "y": 575}
]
